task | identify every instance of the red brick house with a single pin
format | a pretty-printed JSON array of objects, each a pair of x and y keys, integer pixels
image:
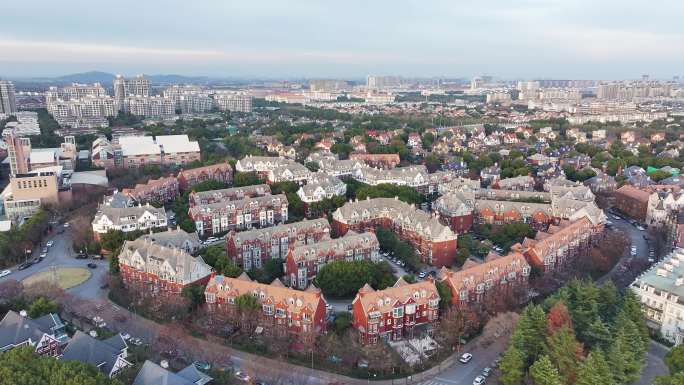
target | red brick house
[
  {"x": 561, "y": 244},
  {"x": 248, "y": 213},
  {"x": 435, "y": 242},
  {"x": 395, "y": 313},
  {"x": 160, "y": 190},
  {"x": 632, "y": 201},
  {"x": 160, "y": 269},
  {"x": 385, "y": 161},
  {"x": 227, "y": 194},
  {"x": 252, "y": 248},
  {"x": 221, "y": 172},
  {"x": 303, "y": 262},
  {"x": 496, "y": 276},
  {"x": 456, "y": 210},
  {"x": 283, "y": 310}
]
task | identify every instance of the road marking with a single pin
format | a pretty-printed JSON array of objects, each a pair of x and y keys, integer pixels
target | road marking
[{"x": 446, "y": 380}]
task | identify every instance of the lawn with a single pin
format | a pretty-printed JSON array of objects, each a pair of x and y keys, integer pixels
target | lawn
[{"x": 66, "y": 277}]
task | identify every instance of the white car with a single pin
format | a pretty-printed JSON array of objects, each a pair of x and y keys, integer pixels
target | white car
[
  {"x": 5, "y": 273},
  {"x": 465, "y": 358},
  {"x": 49, "y": 243},
  {"x": 66, "y": 225},
  {"x": 633, "y": 251},
  {"x": 479, "y": 380},
  {"x": 242, "y": 376}
]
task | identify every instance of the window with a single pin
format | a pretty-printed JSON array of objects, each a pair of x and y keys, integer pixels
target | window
[{"x": 398, "y": 312}]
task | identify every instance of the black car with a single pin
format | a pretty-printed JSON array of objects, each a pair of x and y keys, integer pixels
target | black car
[
  {"x": 24, "y": 265},
  {"x": 82, "y": 256},
  {"x": 92, "y": 266}
]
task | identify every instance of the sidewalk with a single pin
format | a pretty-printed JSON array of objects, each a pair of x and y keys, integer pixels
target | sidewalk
[{"x": 255, "y": 365}]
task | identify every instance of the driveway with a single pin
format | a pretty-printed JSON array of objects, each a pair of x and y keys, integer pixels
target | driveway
[{"x": 61, "y": 254}]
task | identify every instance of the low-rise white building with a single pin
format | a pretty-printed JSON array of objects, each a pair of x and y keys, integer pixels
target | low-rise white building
[{"x": 661, "y": 293}]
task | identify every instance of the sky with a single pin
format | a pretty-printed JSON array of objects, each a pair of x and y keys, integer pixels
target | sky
[{"x": 513, "y": 39}]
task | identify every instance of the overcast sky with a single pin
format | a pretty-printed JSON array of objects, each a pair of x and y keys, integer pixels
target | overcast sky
[{"x": 580, "y": 39}]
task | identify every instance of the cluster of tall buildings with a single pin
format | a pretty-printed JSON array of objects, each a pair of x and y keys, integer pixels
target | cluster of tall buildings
[
  {"x": 84, "y": 105},
  {"x": 629, "y": 91}
]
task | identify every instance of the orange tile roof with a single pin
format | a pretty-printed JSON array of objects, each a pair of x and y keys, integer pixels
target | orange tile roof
[
  {"x": 384, "y": 300},
  {"x": 294, "y": 301}
]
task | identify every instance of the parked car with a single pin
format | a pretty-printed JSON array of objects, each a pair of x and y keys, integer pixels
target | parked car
[
  {"x": 242, "y": 376},
  {"x": 24, "y": 265},
  {"x": 92, "y": 266},
  {"x": 479, "y": 380},
  {"x": 49, "y": 243},
  {"x": 42, "y": 256},
  {"x": 633, "y": 251},
  {"x": 465, "y": 358},
  {"x": 5, "y": 273},
  {"x": 136, "y": 341},
  {"x": 81, "y": 256},
  {"x": 422, "y": 275},
  {"x": 486, "y": 372},
  {"x": 202, "y": 365},
  {"x": 66, "y": 225},
  {"x": 45, "y": 250}
]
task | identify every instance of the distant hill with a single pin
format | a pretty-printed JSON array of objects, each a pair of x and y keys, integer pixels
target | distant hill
[
  {"x": 106, "y": 79},
  {"x": 86, "y": 77}
]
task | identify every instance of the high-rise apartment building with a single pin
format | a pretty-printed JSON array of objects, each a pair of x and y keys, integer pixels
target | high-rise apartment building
[
  {"x": 233, "y": 101},
  {"x": 74, "y": 91},
  {"x": 383, "y": 82},
  {"x": 137, "y": 86},
  {"x": 8, "y": 104}
]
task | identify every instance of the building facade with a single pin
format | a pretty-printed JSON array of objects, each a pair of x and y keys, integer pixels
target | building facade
[
  {"x": 303, "y": 262},
  {"x": 252, "y": 248},
  {"x": 395, "y": 313},
  {"x": 434, "y": 242},
  {"x": 283, "y": 310},
  {"x": 160, "y": 269},
  {"x": 221, "y": 172},
  {"x": 242, "y": 214}
]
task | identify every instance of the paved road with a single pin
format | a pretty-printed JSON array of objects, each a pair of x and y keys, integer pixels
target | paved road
[
  {"x": 655, "y": 366},
  {"x": 464, "y": 374},
  {"x": 61, "y": 254}
]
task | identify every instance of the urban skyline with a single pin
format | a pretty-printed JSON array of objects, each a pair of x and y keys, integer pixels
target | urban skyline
[{"x": 569, "y": 39}]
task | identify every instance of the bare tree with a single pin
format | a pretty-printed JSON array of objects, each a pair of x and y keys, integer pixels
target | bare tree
[
  {"x": 499, "y": 328},
  {"x": 10, "y": 289}
]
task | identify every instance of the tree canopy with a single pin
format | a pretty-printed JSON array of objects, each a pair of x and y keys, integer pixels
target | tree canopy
[{"x": 22, "y": 366}]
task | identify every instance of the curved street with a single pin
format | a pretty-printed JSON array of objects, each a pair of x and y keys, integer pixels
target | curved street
[{"x": 450, "y": 372}]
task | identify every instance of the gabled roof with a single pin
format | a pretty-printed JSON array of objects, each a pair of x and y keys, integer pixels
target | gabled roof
[
  {"x": 384, "y": 300},
  {"x": 295, "y": 301},
  {"x": 15, "y": 329},
  {"x": 86, "y": 349},
  {"x": 153, "y": 374}
]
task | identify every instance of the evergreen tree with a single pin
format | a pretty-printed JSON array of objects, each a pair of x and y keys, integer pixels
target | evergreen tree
[
  {"x": 565, "y": 353},
  {"x": 676, "y": 379},
  {"x": 595, "y": 370},
  {"x": 609, "y": 301},
  {"x": 543, "y": 372},
  {"x": 598, "y": 335},
  {"x": 623, "y": 359},
  {"x": 528, "y": 336},
  {"x": 675, "y": 359},
  {"x": 512, "y": 367}
]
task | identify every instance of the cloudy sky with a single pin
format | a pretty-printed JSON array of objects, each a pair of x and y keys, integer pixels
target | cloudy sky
[{"x": 583, "y": 39}]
